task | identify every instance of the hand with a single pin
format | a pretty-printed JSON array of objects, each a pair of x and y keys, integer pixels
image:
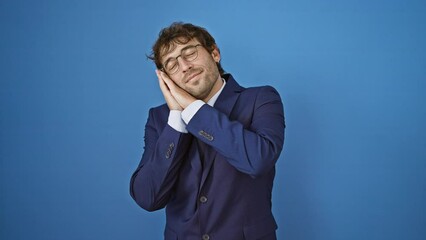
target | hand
[
  {"x": 179, "y": 95},
  {"x": 170, "y": 100}
]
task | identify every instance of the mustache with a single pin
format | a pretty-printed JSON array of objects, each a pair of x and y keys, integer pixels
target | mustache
[{"x": 191, "y": 73}]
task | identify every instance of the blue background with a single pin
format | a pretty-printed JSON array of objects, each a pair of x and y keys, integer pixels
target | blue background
[{"x": 76, "y": 88}]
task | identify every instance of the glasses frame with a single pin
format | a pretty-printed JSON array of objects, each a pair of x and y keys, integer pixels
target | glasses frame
[{"x": 183, "y": 57}]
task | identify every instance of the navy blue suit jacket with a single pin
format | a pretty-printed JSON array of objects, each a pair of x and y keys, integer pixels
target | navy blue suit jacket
[{"x": 215, "y": 181}]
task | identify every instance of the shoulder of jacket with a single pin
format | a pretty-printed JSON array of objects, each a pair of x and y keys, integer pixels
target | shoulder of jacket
[
  {"x": 257, "y": 89},
  {"x": 161, "y": 108}
]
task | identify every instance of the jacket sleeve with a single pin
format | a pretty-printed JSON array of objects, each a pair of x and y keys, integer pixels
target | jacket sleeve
[
  {"x": 253, "y": 150},
  {"x": 152, "y": 183}
]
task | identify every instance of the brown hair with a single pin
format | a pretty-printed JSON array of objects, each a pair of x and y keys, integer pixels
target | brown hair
[{"x": 181, "y": 33}]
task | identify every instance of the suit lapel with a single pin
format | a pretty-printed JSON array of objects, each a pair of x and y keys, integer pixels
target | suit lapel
[
  {"x": 208, "y": 158},
  {"x": 224, "y": 103},
  {"x": 226, "y": 100}
]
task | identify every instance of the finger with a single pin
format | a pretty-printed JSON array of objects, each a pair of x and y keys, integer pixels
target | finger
[
  {"x": 170, "y": 84},
  {"x": 164, "y": 88},
  {"x": 158, "y": 72},
  {"x": 161, "y": 79},
  {"x": 170, "y": 100}
]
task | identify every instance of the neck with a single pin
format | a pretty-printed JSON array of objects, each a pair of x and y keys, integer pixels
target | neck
[{"x": 216, "y": 87}]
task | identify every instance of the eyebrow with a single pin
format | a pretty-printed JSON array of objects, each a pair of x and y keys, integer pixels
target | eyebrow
[{"x": 170, "y": 58}]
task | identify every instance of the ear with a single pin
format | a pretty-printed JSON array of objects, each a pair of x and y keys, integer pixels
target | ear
[{"x": 216, "y": 54}]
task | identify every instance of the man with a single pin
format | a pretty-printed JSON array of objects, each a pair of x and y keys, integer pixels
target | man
[{"x": 210, "y": 152}]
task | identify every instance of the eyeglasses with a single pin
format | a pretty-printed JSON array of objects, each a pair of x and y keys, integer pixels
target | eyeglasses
[{"x": 189, "y": 54}]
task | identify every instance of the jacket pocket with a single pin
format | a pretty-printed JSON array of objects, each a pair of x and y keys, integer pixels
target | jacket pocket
[{"x": 264, "y": 227}]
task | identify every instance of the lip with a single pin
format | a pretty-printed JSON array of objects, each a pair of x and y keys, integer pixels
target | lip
[{"x": 192, "y": 76}]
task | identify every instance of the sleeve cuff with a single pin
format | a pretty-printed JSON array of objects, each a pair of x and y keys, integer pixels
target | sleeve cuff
[
  {"x": 175, "y": 121},
  {"x": 191, "y": 110}
]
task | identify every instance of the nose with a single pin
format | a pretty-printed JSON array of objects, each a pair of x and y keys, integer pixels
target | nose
[{"x": 184, "y": 65}]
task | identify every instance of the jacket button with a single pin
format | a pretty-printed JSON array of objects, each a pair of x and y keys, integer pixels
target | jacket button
[
  {"x": 206, "y": 237},
  {"x": 170, "y": 150},
  {"x": 206, "y": 135},
  {"x": 203, "y": 199}
]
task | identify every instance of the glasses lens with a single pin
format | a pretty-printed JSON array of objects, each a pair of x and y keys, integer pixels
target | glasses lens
[
  {"x": 172, "y": 66},
  {"x": 190, "y": 54}
]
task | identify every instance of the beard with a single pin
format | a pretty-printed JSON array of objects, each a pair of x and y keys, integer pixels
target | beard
[{"x": 202, "y": 85}]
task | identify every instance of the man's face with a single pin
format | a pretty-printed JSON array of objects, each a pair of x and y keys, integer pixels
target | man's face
[{"x": 199, "y": 77}]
